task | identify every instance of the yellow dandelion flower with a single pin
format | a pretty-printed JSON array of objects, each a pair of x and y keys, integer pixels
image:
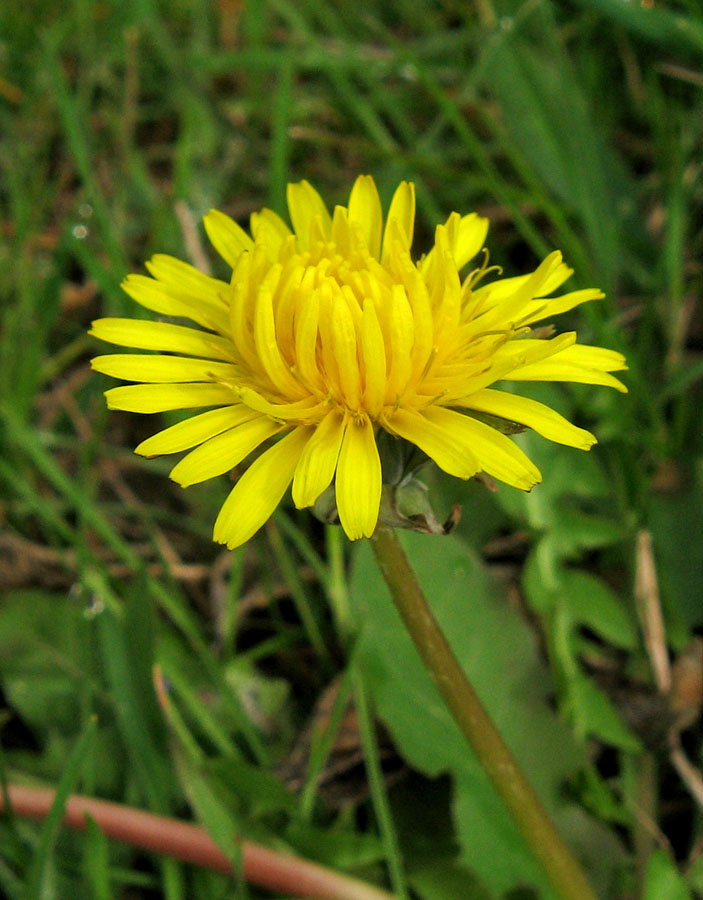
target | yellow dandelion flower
[{"x": 327, "y": 333}]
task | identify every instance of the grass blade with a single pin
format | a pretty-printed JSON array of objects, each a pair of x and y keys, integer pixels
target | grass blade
[{"x": 39, "y": 871}]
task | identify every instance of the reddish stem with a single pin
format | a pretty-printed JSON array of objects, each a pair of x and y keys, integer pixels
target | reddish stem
[{"x": 260, "y": 866}]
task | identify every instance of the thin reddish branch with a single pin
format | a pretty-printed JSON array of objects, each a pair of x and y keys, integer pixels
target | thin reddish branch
[{"x": 260, "y": 866}]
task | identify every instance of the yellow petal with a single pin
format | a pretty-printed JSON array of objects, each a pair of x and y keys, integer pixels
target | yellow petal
[
  {"x": 594, "y": 358},
  {"x": 402, "y": 335},
  {"x": 578, "y": 363},
  {"x": 522, "y": 351},
  {"x": 285, "y": 305},
  {"x": 317, "y": 464},
  {"x": 183, "y": 278},
  {"x": 557, "y": 277},
  {"x": 260, "y": 489},
  {"x": 223, "y": 452},
  {"x": 365, "y": 212},
  {"x": 194, "y": 430},
  {"x": 326, "y": 351},
  {"x": 423, "y": 321},
  {"x": 374, "y": 357},
  {"x": 308, "y": 408},
  {"x": 402, "y": 212},
  {"x": 441, "y": 444},
  {"x": 358, "y": 484},
  {"x": 154, "y": 398},
  {"x": 466, "y": 236},
  {"x": 344, "y": 344},
  {"x": 540, "y": 418},
  {"x": 155, "y": 296},
  {"x": 545, "y": 308},
  {"x": 469, "y": 238},
  {"x": 496, "y": 291},
  {"x": 556, "y": 371},
  {"x": 240, "y": 311},
  {"x": 496, "y": 454},
  {"x": 226, "y": 236},
  {"x": 161, "y": 369},
  {"x": 340, "y": 232},
  {"x": 269, "y": 353},
  {"x": 304, "y": 205},
  {"x": 512, "y": 308},
  {"x": 447, "y": 296},
  {"x": 269, "y": 230},
  {"x": 143, "y": 335},
  {"x": 307, "y": 317}
]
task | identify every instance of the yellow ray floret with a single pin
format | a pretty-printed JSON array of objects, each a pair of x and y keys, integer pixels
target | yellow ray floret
[{"x": 329, "y": 331}]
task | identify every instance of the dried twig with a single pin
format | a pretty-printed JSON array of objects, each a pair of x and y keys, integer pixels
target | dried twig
[
  {"x": 649, "y": 607},
  {"x": 647, "y": 595},
  {"x": 260, "y": 866},
  {"x": 688, "y": 773},
  {"x": 194, "y": 246}
]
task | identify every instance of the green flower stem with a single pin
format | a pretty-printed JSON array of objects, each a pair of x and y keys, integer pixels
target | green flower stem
[{"x": 564, "y": 872}]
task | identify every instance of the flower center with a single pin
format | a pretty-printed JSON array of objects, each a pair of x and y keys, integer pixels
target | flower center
[{"x": 322, "y": 328}]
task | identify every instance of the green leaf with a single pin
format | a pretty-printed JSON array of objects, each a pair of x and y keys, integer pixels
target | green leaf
[
  {"x": 257, "y": 787},
  {"x": 40, "y": 870},
  {"x": 599, "y": 796},
  {"x": 40, "y": 669},
  {"x": 576, "y": 530},
  {"x": 96, "y": 863},
  {"x": 422, "y": 813},
  {"x": 594, "y": 714},
  {"x": 572, "y": 478},
  {"x": 556, "y": 136},
  {"x": 662, "y": 26},
  {"x": 126, "y": 647},
  {"x": 589, "y": 601},
  {"x": 541, "y": 575},
  {"x": 443, "y": 879},
  {"x": 663, "y": 881},
  {"x": 340, "y": 849},
  {"x": 221, "y": 818},
  {"x": 694, "y": 874},
  {"x": 674, "y": 521}
]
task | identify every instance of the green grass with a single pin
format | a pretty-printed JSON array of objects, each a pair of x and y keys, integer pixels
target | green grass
[{"x": 573, "y": 125}]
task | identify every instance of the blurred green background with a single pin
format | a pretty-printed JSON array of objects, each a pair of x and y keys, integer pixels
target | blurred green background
[{"x": 572, "y": 125}]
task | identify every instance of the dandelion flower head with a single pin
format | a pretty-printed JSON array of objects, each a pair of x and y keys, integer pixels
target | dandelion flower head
[{"x": 329, "y": 331}]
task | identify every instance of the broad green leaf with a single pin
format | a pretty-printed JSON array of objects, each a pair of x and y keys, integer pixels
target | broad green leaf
[
  {"x": 39, "y": 634},
  {"x": 423, "y": 819}
]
